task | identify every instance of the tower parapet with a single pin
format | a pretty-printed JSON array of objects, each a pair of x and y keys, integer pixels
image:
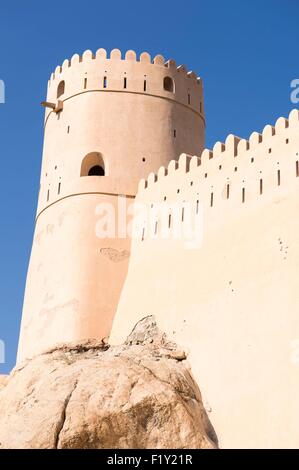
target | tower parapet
[
  {"x": 135, "y": 115},
  {"x": 157, "y": 77}
]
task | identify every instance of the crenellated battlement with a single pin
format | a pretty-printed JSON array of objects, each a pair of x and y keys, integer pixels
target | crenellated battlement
[
  {"x": 116, "y": 54},
  {"x": 230, "y": 155},
  {"x": 101, "y": 71},
  {"x": 234, "y": 175}
]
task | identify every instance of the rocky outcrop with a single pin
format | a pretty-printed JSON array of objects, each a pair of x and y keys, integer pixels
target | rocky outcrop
[{"x": 90, "y": 395}]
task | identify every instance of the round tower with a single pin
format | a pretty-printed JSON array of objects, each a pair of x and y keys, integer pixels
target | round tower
[{"x": 109, "y": 122}]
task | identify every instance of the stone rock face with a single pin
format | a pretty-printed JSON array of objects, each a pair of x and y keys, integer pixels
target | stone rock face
[{"x": 92, "y": 396}]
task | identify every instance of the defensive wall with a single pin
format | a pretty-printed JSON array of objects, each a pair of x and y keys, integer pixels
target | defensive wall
[{"x": 231, "y": 300}]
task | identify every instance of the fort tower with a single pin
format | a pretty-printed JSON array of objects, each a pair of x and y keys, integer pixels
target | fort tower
[{"x": 109, "y": 122}]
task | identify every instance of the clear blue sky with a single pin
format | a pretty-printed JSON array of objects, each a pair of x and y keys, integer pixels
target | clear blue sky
[{"x": 246, "y": 51}]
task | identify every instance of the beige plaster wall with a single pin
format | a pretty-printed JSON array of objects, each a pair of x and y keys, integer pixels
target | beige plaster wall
[
  {"x": 233, "y": 301},
  {"x": 75, "y": 278},
  {"x": 3, "y": 380}
]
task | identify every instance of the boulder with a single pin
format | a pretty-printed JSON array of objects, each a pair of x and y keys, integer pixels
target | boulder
[{"x": 91, "y": 396}]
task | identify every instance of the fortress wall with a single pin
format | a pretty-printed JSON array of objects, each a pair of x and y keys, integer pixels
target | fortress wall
[
  {"x": 73, "y": 272},
  {"x": 3, "y": 380},
  {"x": 231, "y": 301},
  {"x": 88, "y": 185}
]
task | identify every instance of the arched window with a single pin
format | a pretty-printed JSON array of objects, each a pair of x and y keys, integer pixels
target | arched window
[
  {"x": 93, "y": 165},
  {"x": 60, "y": 89},
  {"x": 168, "y": 84},
  {"x": 96, "y": 170}
]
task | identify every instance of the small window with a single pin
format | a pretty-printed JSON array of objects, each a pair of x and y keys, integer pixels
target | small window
[
  {"x": 227, "y": 191},
  {"x": 59, "y": 188},
  {"x": 212, "y": 200},
  {"x": 297, "y": 169},
  {"x": 169, "y": 84},
  {"x": 243, "y": 195},
  {"x": 169, "y": 221},
  {"x": 105, "y": 82},
  {"x": 96, "y": 170},
  {"x": 143, "y": 233},
  {"x": 48, "y": 195},
  {"x": 174, "y": 133},
  {"x": 278, "y": 177},
  {"x": 85, "y": 83},
  {"x": 68, "y": 129},
  {"x": 189, "y": 98},
  {"x": 60, "y": 89},
  {"x": 93, "y": 165},
  {"x": 125, "y": 82},
  {"x": 144, "y": 85},
  {"x": 183, "y": 214},
  {"x": 261, "y": 186},
  {"x": 269, "y": 150}
]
